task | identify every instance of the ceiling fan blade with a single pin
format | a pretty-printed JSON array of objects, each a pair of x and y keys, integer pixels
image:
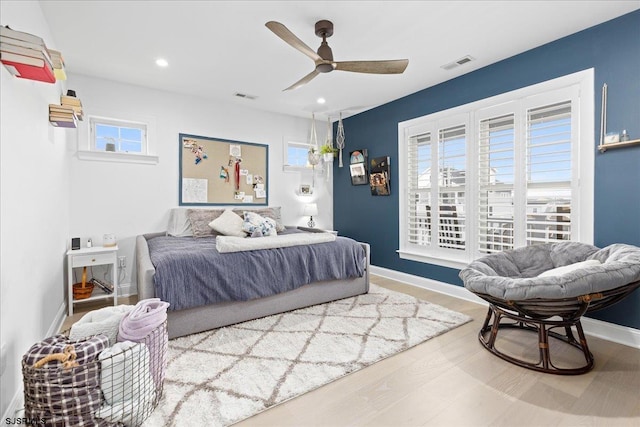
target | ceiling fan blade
[
  {"x": 373, "y": 67},
  {"x": 285, "y": 34},
  {"x": 303, "y": 81}
]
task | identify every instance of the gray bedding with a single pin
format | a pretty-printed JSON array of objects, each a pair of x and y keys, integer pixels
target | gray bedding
[{"x": 190, "y": 272}]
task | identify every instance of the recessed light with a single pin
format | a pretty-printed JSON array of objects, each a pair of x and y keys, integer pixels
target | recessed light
[
  {"x": 321, "y": 100},
  {"x": 161, "y": 62}
]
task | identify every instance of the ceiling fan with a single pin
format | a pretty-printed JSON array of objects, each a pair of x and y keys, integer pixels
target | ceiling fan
[{"x": 323, "y": 59}]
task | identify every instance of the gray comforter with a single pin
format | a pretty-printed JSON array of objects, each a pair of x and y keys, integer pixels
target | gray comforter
[{"x": 190, "y": 272}]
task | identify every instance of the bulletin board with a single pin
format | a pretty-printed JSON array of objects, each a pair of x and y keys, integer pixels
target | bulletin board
[{"x": 216, "y": 171}]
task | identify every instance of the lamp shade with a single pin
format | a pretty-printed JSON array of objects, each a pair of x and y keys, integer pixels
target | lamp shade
[{"x": 310, "y": 209}]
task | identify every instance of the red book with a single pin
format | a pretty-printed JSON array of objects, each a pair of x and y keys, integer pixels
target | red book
[{"x": 27, "y": 67}]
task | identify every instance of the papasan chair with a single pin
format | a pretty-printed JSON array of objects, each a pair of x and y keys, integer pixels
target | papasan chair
[{"x": 547, "y": 288}]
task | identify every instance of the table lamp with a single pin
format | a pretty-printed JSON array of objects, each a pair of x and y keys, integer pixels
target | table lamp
[{"x": 310, "y": 210}]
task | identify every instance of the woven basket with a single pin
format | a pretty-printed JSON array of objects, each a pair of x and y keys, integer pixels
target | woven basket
[
  {"x": 77, "y": 396},
  {"x": 82, "y": 291}
]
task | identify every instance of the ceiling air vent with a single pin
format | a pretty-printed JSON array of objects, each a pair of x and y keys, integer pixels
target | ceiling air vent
[
  {"x": 244, "y": 95},
  {"x": 458, "y": 62}
]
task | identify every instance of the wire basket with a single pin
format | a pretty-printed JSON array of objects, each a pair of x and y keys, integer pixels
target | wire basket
[{"x": 95, "y": 385}]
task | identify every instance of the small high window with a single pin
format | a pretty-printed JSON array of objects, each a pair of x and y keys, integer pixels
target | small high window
[{"x": 118, "y": 136}]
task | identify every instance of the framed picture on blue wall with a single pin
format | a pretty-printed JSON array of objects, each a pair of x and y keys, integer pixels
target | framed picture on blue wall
[
  {"x": 358, "y": 167},
  {"x": 379, "y": 176}
]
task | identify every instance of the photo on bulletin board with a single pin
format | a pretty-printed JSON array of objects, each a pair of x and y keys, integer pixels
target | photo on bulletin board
[
  {"x": 358, "y": 167},
  {"x": 215, "y": 171},
  {"x": 379, "y": 176}
]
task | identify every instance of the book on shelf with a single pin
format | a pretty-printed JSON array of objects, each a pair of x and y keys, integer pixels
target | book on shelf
[
  {"x": 22, "y": 43},
  {"x": 19, "y": 35},
  {"x": 27, "y": 67},
  {"x": 62, "y": 117},
  {"x": 63, "y": 123},
  {"x": 61, "y": 108},
  {"x": 58, "y": 65},
  {"x": 70, "y": 100},
  {"x": 35, "y": 53},
  {"x": 74, "y": 103},
  {"x": 106, "y": 287}
]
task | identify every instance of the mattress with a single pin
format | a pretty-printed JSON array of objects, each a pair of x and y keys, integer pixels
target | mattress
[{"x": 190, "y": 272}]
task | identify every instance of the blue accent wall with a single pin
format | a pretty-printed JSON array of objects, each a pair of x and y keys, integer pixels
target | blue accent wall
[{"x": 611, "y": 48}]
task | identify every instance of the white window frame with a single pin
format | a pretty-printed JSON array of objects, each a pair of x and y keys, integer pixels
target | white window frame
[
  {"x": 579, "y": 87},
  {"x": 285, "y": 156},
  {"x": 91, "y": 153}
]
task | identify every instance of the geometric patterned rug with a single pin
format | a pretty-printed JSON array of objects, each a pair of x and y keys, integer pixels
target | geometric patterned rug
[{"x": 222, "y": 376}]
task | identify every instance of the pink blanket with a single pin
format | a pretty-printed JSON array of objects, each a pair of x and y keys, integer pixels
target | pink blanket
[{"x": 143, "y": 324}]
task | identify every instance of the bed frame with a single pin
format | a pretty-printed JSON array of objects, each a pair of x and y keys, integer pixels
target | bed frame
[{"x": 198, "y": 319}]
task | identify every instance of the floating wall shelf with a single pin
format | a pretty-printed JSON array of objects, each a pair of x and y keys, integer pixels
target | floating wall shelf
[{"x": 605, "y": 147}]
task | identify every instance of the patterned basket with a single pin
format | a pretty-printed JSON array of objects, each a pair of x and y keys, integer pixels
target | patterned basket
[{"x": 85, "y": 383}]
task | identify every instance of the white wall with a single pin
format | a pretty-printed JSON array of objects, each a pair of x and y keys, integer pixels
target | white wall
[
  {"x": 130, "y": 199},
  {"x": 49, "y": 195},
  {"x": 34, "y": 206}
]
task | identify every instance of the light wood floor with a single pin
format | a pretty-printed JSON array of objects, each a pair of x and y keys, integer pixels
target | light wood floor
[{"x": 452, "y": 380}]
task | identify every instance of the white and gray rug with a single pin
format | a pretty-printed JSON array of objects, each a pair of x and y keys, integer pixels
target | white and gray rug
[{"x": 219, "y": 377}]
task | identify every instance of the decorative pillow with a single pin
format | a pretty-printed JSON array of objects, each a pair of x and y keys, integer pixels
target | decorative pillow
[
  {"x": 228, "y": 224},
  {"x": 272, "y": 212},
  {"x": 258, "y": 226},
  {"x": 200, "y": 219},
  {"x": 559, "y": 271},
  {"x": 179, "y": 224}
]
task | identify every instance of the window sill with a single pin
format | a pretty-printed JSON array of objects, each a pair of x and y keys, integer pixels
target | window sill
[
  {"x": 105, "y": 156},
  {"x": 450, "y": 263}
]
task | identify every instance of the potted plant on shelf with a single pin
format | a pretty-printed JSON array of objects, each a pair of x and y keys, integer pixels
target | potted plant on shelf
[{"x": 328, "y": 152}]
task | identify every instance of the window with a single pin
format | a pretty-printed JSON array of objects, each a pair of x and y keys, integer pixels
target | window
[
  {"x": 296, "y": 155},
  {"x": 118, "y": 136},
  {"x": 501, "y": 173},
  {"x": 115, "y": 140}
]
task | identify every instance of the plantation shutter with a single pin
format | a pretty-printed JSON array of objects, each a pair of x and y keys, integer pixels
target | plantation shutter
[
  {"x": 419, "y": 185},
  {"x": 549, "y": 171},
  {"x": 452, "y": 187},
  {"x": 496, "y": 159}
]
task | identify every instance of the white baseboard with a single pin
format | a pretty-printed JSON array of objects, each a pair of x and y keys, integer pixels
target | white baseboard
[
  {"x": 126, "y": 289},
  {"x": 430, "y": 284},
  {"x": 611, "y": 332},
  {"x": 608, "y": 331}
]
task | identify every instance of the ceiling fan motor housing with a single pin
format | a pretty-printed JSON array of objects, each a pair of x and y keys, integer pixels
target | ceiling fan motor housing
[{"x": 324, "y": 29}]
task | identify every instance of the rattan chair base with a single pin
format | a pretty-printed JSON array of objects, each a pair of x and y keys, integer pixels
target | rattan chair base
[
  {"x": 542, "y": 316},
  {"x": 498, "y": 319}
]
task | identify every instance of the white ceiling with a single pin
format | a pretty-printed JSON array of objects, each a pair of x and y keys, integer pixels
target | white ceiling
[{"x": 218, "y": 48}]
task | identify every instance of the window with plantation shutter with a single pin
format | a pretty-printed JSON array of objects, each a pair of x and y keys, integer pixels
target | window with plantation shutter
[
  {"x": 501, "y": 173},
  {"x": 496, "y": 169},
  {"x": 548, "y": 173},
  {"x": 451, "y": 167},
  {"x": 419, "y": 185}
]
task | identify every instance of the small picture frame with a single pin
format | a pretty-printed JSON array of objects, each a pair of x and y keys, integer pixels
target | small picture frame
[
  {"x": 306, "y": 190},
  {"x": 358, "y": 167}
]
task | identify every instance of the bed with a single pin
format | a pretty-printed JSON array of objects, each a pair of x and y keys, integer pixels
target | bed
[{"x": 210, "y": 307}]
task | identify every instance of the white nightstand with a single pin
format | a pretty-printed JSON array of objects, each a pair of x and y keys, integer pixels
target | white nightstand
[
  {"x": 89, "y": 257},
  {"x": 317, "y": 230}
]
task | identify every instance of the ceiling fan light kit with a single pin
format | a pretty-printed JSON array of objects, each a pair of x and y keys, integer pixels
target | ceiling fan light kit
[{"x": 323, "y": 58}]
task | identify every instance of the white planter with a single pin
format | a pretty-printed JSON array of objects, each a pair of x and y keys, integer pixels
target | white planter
[{"x": 328, "y": 157}]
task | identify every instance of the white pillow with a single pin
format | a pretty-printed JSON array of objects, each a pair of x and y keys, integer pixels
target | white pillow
[
  {"x": 559, "y": 271},
  {"x": 228, "y": 224}
]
